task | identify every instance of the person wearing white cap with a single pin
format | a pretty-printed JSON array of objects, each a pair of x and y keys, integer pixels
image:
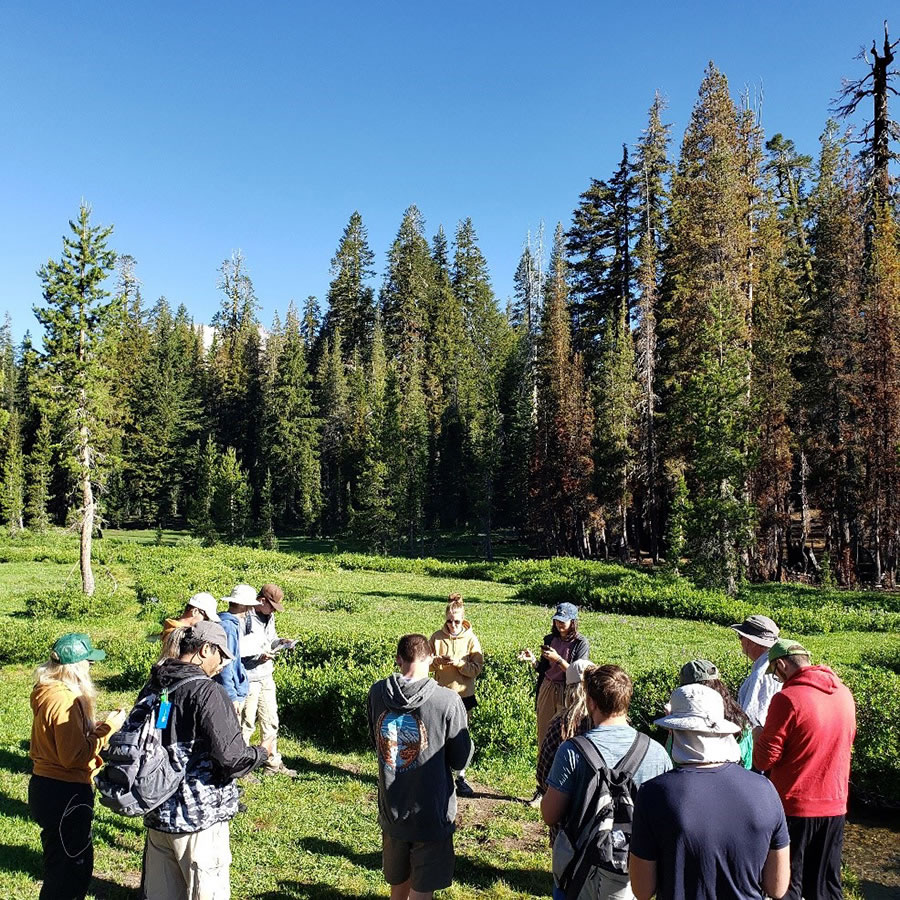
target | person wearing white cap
[
  {"x": 757, "y": 634},
  {"x": 709, "y": 829},
  {"x": 233, "y": 676},
  {"x": 201, "y": 607}
]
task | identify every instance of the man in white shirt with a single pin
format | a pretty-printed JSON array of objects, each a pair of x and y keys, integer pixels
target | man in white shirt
[{"x": 757, "y": 634}]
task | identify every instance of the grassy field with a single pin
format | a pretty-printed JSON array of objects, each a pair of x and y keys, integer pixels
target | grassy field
[{"x": 316, "y": 836}]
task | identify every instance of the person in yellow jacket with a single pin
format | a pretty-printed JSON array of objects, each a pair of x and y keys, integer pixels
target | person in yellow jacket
[
  {"x": 458, "y": 661},
  {"x": 65, "y": 750}
]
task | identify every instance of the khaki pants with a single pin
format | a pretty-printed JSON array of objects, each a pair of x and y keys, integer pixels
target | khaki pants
[
  {"x": 188, "y": 866},
  {"x": 262, "y": 707},
  {"x": 550, "y": 701}
]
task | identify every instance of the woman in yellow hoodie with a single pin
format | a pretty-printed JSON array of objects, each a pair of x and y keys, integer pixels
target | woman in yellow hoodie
[
  {"x": 458, "y": 661},
  {"x": 65, "y": 749}
]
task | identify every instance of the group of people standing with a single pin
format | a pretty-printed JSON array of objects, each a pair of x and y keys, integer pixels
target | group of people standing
[
  {"x": 746, "y": 798},
  {"x": 214, "y": 678}
]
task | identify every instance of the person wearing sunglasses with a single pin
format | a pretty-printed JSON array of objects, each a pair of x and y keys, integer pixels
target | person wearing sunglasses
[{"x": 458, "y": 661}]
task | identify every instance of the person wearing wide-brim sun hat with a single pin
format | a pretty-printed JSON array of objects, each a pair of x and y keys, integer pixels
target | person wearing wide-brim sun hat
[
  {"x": 757, "y": 634},
  {"x": 65, "y": 749}
]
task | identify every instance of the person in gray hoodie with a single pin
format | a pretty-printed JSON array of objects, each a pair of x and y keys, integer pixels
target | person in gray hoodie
[{"x": 419, "y": 731}]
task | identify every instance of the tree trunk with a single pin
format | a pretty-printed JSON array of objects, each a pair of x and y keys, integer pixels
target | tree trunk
[{"x": 87, "y": 521}]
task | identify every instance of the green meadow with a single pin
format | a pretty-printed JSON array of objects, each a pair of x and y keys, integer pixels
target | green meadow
[{"x": 316, "y": 836}]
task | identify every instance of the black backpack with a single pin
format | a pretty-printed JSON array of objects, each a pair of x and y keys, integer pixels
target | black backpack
[
  {"x": 139, "y": 775},
  {"x": 597, "y": 831}
]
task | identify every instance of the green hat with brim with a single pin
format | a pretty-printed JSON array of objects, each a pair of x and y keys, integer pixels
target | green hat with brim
[
  {"x": 782, "y": 648},
  {"x": 75, "y": 648}
]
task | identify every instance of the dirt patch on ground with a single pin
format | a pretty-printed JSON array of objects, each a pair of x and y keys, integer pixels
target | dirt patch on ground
[
  {"x": 872, "y": 851},
  {"x": 477, "y": 814}
]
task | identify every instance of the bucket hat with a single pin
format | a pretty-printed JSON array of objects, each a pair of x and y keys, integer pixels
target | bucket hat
[
  {"x": 759, "y": 629},
  {"x": 696, "y": 707}
]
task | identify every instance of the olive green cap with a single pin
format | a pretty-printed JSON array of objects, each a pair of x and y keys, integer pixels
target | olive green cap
[{"x": 782, "y": 648}]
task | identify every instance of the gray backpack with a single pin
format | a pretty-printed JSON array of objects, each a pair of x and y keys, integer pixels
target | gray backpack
[{"x": 138, "y": 775}]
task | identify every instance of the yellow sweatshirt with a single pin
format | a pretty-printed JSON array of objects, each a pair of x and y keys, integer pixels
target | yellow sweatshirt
[
  {"x": 64, "y": 744},
  {"x": 466, "y": 659}
]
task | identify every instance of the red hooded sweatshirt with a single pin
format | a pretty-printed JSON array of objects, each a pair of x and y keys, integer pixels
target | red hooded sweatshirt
[{"x": 805, "y": 743}]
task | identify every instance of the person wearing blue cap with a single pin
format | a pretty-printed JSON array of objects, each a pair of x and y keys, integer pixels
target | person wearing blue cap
[
  {"x": 65, "y": 749},
  {"x": 563, "y": 646}
]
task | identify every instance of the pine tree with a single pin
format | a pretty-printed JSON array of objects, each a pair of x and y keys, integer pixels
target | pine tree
[
  {"x": 351, "y": 304},
  {"x": 599, "y": 247},
  {"x": 75, "y": 318},
  {"x": 488, "y": 339},
  {"x": 333, "y": 447},
  {"x": 562, "y": 507},
  {"x": 651, "y": 172},
  {"x": 200, "y": 517},
  {"x": 829, "y": 387},
  {"x": 292, "y": 437},
  {"x": 39, "y": 473},
  {"x": 268, "y": 539},
  {"x": 234, "y": 362},
  {"x": 707, "y": 327},
  {"x": 404, "y": 297},
  {"x": 880, "y": 376},
  {"x": 231, "y": 498},
  {"x": 13, "y": 487},
  {"x": 373, "y": 518}
]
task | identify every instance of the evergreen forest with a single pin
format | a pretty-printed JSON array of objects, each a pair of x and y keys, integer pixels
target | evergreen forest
[{"x": 701, "y": 369}]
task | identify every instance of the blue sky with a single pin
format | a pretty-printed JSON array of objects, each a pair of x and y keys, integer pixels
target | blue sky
[{"x": 198, "y": 128}]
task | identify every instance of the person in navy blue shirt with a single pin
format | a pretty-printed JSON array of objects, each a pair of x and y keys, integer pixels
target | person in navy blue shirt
[{"x": 710, "y": 829}]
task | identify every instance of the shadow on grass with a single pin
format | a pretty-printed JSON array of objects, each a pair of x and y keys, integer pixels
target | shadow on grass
[
  {"x": 322, "y": 847},
  {"x": 319, "y": 769},
  {"x": 16, "y": 763},
  {"x": 15, "y": 858},
  {"x": 468, "y": 871},
  {"x": 479, "y": 875},
  {"x": 296, "y": 890}
]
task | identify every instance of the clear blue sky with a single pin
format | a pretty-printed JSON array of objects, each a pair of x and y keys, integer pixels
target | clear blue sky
[{"x": 197, "y": 128}]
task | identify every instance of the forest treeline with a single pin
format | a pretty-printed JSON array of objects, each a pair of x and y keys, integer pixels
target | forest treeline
[{"x": 705, "y": 368}]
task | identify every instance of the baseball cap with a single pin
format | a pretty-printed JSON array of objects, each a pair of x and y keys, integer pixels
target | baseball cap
[
  {"x": 759, "y": 629},
  {"x": 243, "y": 595},
  {"x": 212, "y": 633},
  {"x": 274, "y": 595},
  {"x": 565, "y": 612},
  {"x": 75, "y": 648},
  {"x": 698, "y": 670},
  {"x": 206, "y": 603},
  {"x": 782, "y": 648}
]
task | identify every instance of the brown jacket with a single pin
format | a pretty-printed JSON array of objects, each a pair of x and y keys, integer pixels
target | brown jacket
[
  {"x": 467, "y": 660},
  {"x": 64, "y": 744}
]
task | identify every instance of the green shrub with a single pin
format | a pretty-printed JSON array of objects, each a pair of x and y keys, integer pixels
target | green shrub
[
  {"x": 72, "y": 603},
  {"x": 27, "y": 643}
]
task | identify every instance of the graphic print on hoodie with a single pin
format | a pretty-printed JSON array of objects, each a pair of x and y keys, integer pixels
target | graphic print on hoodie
[{"x": 419, "y": 731}]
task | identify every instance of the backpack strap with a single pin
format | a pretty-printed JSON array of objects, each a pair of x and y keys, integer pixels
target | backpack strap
[
  {"x": 631, "y": 761},
  {"x": 187, "y": 680}
]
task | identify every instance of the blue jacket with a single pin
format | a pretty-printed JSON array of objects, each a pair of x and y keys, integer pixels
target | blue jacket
[{"x": 234, "y": 676}]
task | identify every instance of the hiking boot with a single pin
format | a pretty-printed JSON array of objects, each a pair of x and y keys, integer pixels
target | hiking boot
[
  {"x": 463, "y": 788},
  {"x": 280, "y": 769},
  {"x": 535, "y": 801}
]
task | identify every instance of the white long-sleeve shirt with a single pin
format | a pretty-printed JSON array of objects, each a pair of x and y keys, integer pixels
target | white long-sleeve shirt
[
  {"x": 756, "y": 692},
  {"x": 257, "y": 635}
]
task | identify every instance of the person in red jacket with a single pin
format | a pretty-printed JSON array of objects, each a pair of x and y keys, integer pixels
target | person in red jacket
[{"x": 805, "y": 747}]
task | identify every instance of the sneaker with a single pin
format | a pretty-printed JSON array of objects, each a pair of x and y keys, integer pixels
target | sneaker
[
  {"x": 535, "y": 801},
  {"x": 463, "y": 788}
]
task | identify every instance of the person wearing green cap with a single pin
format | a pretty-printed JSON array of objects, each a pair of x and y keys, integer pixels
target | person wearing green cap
[
  {"x": 65, "y": 749},
  {"x": 805, "y": 747}
]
